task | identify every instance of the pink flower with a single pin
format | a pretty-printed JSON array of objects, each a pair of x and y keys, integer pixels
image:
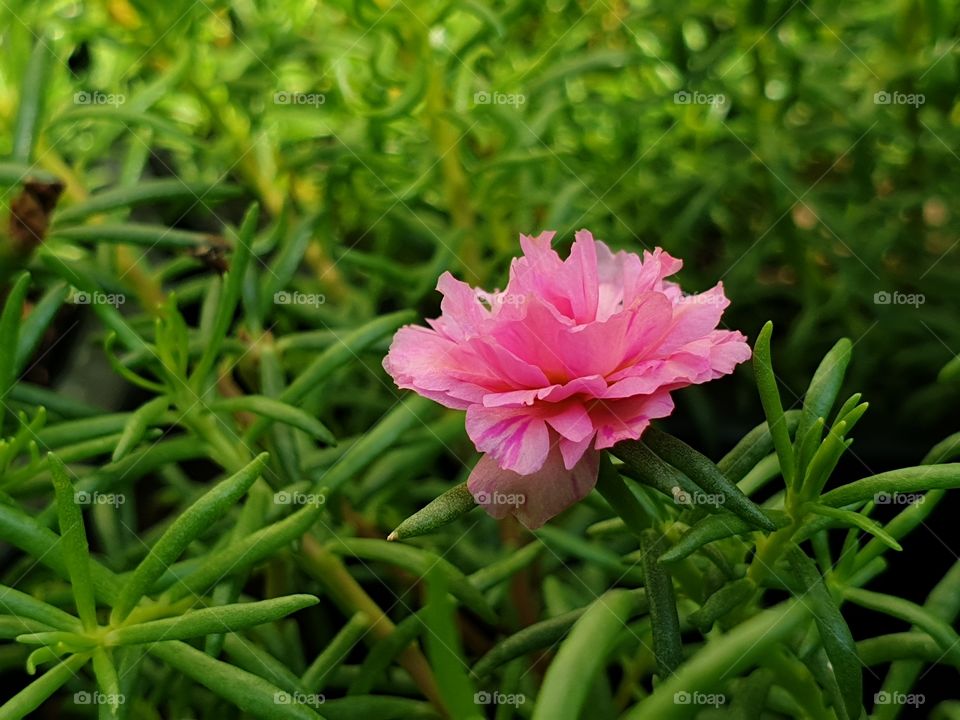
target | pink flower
[{"x": 574, "y": 356}]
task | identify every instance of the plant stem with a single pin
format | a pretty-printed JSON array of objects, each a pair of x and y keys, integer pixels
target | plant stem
[{"x": 347, "y": 593}]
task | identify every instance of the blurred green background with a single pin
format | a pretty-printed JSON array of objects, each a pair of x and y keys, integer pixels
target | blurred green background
[{"x": 748, "y": 138}]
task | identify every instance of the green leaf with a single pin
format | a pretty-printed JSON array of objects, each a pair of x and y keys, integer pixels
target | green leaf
[
  {"x": 664, "y": 620},
  {"x": 229, "y": 298},
  {"x": 140, "y": 421},
  {"x": 772, "y": 407},
  {"x": 906, "y": 480},
  {"x": 835, "y": 635},
  {"x": 583, "y": 654},
  {"x": 418, "y": 562},
  {"x": 108, "y": 682},
  {"x": 193, "y": 521},
  {"x": 9, "y": 334},
  {"x": 148, "y": 236},
  {"x": 32, "y": 696},
  {"x": 285, "y": 263},
  {"x": 539, "y": 636},
  {"x": 828, "y": 454},
  {"x": 823, "y": 389},
  {"x": 278, "y": 411},
  {"x": 753, "y": 447},
  {"x": 372, "y": 443},
  {"x": 443, "y": 510},
  {"x": 378, "y": 707},
  {"x": 385, "y": 651},
  {"x": 808, "y": 446},
  {"x": 222, "y": 618},
  {"x": 563, "y": 543},
  {"x": 719, "y": 659},
  {"x": 33, "y": 327},
  {"x": 238, "y": 556},
  {"x": 335, "y": 653},
  {"x": 76, "y": 554},
  {"x": 247, "y": 691},
  {"x": 944, "y": 635},
  {"x": 713, "y": 528},
  {"x": 145, "y": 191},
  {"x": 272, "y": 382},
  {"x": 646, "y": 466},
  {"x": 444, "y": 651},
  {"x": 905, "y": 521},
  {"x": 849, "y": 517},
  {"x": 707, "y": 476},
  {"x": 943, "y": 603},
  {"x": 341, "y": 352},
  {"x": 900, "y": 646},
  {"x": 728, "y": 598},
  {"x": 12, "y": 174},
  {"x": 20, "y": 605},
  {"x": 33, "y": 90},
  {"x": 24, "y": 532},
  {"x": 615, "y": 491}
]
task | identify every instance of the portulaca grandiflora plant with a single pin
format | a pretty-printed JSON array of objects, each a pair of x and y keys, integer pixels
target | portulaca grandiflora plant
[
  {"x": 719, "y": 604},
  {"x": 220, "y": 552}
]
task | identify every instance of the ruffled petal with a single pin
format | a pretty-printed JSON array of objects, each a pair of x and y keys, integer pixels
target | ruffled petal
[
  {"x": 533, "y": 498},
  {"x": 626, "y": 419},
  {"x": 515, "y": 438}
]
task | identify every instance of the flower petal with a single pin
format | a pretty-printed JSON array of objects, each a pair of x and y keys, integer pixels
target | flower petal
[
  {"x": 515, "y": 438},
  {"x": 536, "y": 497}
]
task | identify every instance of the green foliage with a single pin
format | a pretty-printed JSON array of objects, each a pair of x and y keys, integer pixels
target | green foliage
[{"x": 200, "y": 453}]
